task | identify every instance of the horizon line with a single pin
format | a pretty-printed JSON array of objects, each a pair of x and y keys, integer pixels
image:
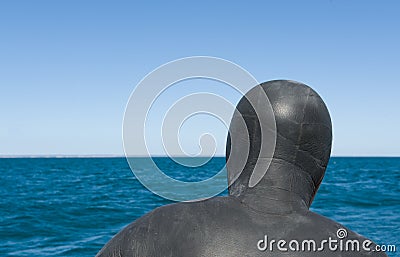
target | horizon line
[{"x": 5, "y": 156}]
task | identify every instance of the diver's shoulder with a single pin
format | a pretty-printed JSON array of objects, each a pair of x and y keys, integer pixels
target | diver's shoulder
[
  {"x": 186, "y": 210},
  {"x": 340, "y": 232},
  {"x": 177, "y": 212}
]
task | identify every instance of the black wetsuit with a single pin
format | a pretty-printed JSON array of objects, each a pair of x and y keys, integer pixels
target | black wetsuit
[{"x": 250, "y": 218}]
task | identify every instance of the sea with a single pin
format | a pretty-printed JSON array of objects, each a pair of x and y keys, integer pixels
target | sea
[{"x": 73, "y": 206}]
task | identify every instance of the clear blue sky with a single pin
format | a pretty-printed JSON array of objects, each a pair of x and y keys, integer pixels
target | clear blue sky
[{"x": 67, "y": 68}]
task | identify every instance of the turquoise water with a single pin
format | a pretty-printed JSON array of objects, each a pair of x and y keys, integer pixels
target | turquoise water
[{"x": 73, "y": 206}]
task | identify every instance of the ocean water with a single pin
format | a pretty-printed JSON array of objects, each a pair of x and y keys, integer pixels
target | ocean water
[{"x": 73, "y": 206}]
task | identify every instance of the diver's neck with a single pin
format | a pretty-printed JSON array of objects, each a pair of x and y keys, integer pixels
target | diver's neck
[{"x": 274, "y": 200}]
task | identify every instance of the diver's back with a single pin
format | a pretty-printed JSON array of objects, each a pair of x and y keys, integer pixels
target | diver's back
[
  {"x": 230, "y": 228},
  {"x": 225, "y": 226}
]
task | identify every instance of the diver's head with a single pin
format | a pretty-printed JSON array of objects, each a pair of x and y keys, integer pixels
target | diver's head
[{"x": 303, "y": 140}]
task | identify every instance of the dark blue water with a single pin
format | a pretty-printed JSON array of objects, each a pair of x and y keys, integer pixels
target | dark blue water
[{"x": 73, "y": 206}]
